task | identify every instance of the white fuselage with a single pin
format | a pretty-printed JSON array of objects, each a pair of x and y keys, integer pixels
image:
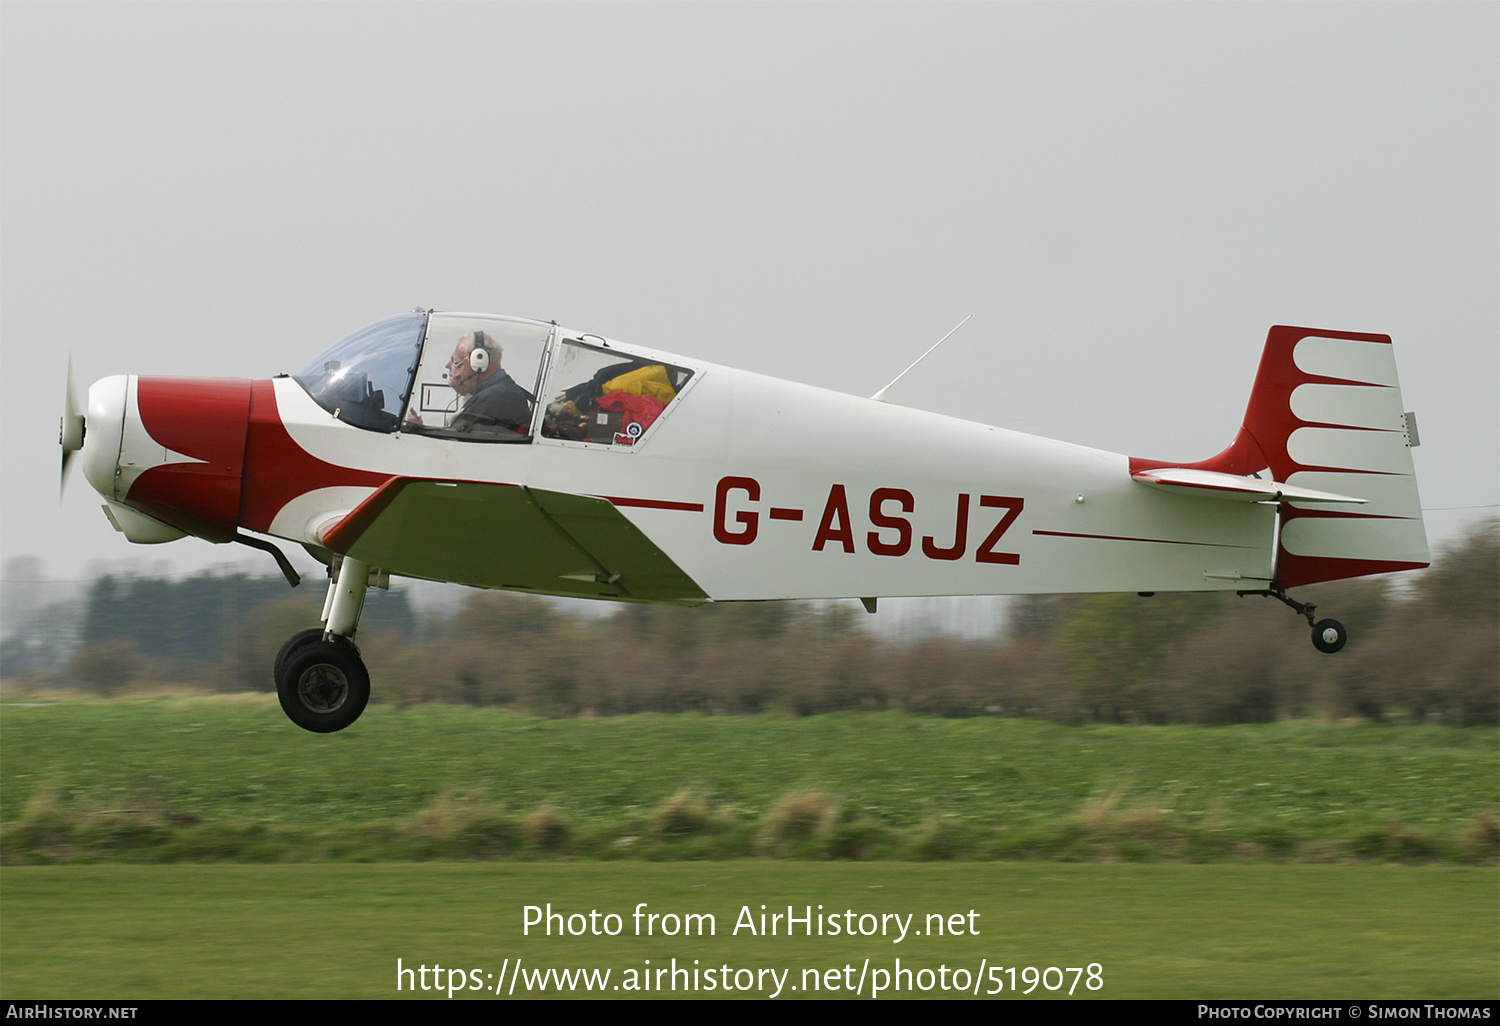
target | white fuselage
[{"x": 765, "y": 489}]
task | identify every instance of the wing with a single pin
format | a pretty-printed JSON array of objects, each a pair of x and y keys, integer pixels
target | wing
[{"x": 508, "y": 536}]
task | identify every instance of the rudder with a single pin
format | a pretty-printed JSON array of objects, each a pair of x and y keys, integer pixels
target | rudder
[{"x": 1326, "y": 413}]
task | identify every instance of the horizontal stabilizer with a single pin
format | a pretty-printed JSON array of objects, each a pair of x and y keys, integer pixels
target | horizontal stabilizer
[{"x": 1214, "y": 485}]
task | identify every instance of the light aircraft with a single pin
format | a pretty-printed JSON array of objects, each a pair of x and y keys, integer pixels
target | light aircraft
[{"x": 499, "y": 452}]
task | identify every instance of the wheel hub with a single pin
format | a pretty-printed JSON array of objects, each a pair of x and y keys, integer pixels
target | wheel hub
[{"x": 323, "y": 689}]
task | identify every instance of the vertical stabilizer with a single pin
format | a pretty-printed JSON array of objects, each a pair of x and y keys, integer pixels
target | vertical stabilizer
[{"x": 1326, "y": 414}]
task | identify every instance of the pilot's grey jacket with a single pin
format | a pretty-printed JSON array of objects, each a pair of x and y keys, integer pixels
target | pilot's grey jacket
[{"x": 500, "y": 402}]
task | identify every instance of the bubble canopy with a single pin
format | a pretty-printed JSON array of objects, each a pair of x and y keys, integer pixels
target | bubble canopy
[{"x": 478, "y": 377}]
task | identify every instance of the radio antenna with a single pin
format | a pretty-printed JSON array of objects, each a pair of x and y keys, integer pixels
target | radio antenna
[{"x": 880, "y": 396}]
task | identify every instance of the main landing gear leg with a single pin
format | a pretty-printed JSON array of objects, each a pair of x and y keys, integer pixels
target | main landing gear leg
[
  {"x": 1327, "y": 635},
  {"x": 320, "y": 678}
]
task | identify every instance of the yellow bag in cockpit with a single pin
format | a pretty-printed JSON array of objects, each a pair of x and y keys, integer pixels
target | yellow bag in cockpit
[{"x": 650, "y": 380}]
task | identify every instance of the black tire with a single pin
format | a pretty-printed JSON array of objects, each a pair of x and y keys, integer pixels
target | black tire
[
  {"x": 293, "y": 643},
  {"x": 1329, "y": 636},
  {"x": 324, "y": 686}
]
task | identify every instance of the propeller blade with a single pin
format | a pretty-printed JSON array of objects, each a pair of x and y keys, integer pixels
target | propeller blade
[{"x": 71, "y": 430}]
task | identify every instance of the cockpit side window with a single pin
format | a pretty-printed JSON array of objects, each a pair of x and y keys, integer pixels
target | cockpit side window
[
  {"x": 478, "y": 378},
  {"x": 365, "y": 379},
  {"x": 604, "y": 397}
]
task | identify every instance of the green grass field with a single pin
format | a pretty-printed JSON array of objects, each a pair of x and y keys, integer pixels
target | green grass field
[
  {"x": 336, "y": 931},
  {"x": 199, "y": 779},
  {"x": 1072, "y": 846}
]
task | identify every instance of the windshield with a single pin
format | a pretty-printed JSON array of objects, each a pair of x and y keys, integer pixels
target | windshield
[{"x": 365, "y": 379}]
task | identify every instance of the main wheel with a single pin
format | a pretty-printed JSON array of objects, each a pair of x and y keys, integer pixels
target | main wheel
[
  {"x": 293, "y": 643},
  {"x": 324, "y": 686},
  {"x": 1329, "y": 636}
]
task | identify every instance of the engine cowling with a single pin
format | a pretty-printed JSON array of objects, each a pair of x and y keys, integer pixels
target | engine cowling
[{"x": 171, "y": 450}]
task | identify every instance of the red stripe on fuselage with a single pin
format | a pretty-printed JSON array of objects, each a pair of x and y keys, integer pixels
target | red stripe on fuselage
[
  {"x": 1154, "y": 541},
  {"x": 277, "y": 469},
  {"x": 687, "y": 507}
]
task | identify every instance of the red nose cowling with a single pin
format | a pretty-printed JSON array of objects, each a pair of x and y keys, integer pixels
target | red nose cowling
[{"x": 206, "y": 419}]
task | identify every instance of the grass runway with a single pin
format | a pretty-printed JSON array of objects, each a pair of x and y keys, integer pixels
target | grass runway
[{"x": 1156, "y": 931}]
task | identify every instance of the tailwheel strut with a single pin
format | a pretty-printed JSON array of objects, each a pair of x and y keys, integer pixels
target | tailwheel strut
[{"x": 1327, "y": 635}]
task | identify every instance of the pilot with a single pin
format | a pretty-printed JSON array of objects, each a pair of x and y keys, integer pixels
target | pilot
[{"x": 492, "y": 397}]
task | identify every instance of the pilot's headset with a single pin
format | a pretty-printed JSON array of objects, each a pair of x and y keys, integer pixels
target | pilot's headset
[{"x": 479, "y": 357}]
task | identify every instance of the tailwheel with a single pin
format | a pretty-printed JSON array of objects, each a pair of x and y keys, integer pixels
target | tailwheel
[
  {"x": 1329, "y": 636},
  {"x": 323, "y": 684}
]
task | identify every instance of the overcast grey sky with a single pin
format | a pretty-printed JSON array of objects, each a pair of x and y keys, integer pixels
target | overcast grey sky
[{"x": 1125, "y": 196}]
